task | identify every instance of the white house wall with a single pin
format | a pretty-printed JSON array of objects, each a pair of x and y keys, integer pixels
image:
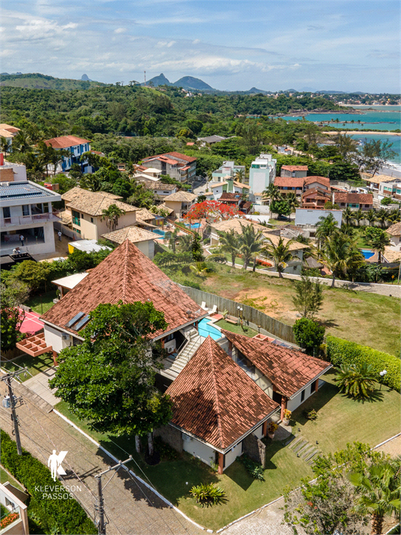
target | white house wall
[
  {"x": 232, "y": 455},
  {"x": 198, "y": 449},
  {"x": 54, "y": 338},
  {"x": 295, "y": 402}
]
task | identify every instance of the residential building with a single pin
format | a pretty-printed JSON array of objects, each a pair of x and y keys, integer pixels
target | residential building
[
  {"x": 373, "y": 182},
  {"x": 390, "y": 189},
  {"x": 320, "y": 183},
  {"x": 262, "y": 173},
  {"x": 310, "y": 217},
  {"x": 363, "y": 201},
  {"x": 8, "y": 132},
  {"x": 180, "y": 202},
  {"x": 144, "y": 173},
  {"x": 394, "y": 232},
  {"x": 160, "y": 190},
  {"x": 227, "y": 225},
  {"x": 294, "y": 171},
  {"x": 84, "y": 212},
  {"x": 14, "y": 501},
  {"x": 210, "y": 140},
  {"x": 289, "y": 185},
  {"x": 228, "y": 186},
  {"x": 315, "y": 198},
  {"x": 143, "y": 239},
  {"x": 26, "y": 210},
  {"x": 174, "y": 164},
  {"x": 236, "y": 200},
  {"x": 76, "y": 147},
  {"x": 294, "y": 266},
  {"x": 227, "y": 170}
]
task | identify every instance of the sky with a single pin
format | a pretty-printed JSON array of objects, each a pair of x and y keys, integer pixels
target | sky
[{"x": 351, "y": 45}]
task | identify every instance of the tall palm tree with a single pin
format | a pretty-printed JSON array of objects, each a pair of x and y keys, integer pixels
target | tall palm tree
[
  {"x": 271, "y": 193},
  {"x": 22, "y": 142},
  {"x": 4, "y": 145},
  {"x": 358, "y": 216},
  {"x": 325, "y": 227},
  {"x": 370, "y": 216},
  {"x": 185, "y": 243},
  {"x": 380, "y": 491},
  {"x": 339, "y": 254},
  {"x": 348, "y": 215},
  {"x": 239, "y": 175},
  {"x": 172, "y": 242},
  {"x": 379, "y": 241},
  {"x": 230, "y": 244},
  {"x": 111, "y": 216},
  {"x": 250, "y": 242},
  {"x": 292, "y": 201},
  {"x": 280, "y": 253},
  {"x": 382, "y": 216}
]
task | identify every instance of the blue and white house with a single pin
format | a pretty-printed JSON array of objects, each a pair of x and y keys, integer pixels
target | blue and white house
[{"x": 76, "y": 147}]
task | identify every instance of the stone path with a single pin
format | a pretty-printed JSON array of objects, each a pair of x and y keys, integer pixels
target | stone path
[
  {"x": 131, "y": 508},
  {"x": 39, "y": 384}
]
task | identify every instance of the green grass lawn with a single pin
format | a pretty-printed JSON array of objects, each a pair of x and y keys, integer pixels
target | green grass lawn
[
  {"x": 237, "y": 329},
  {"x": 340, "y": 420},
  {"x": 5, "y": 477},
  {"x": 34, "y": 364},
  {"x": 41, "y": 303}
]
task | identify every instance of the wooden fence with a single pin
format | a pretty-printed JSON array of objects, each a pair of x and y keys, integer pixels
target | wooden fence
[{"x": 250, "y": 314}]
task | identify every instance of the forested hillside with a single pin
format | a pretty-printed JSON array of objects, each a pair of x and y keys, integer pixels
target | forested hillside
[{"x": 41, "y": 81}]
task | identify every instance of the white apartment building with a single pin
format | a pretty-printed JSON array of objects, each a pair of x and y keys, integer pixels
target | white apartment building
[
  {"x": 25, "y": 210},
  {"x": 262, "y": 173}
]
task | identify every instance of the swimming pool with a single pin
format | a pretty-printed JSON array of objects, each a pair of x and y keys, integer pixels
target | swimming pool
[
  {"x": 206, "y": 330},
  {"x": 367, "y": 253},
  {"x": 194, "y": 225}
]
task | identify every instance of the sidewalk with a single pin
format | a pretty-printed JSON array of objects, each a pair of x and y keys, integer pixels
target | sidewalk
[{"x": 40, "y": 385}]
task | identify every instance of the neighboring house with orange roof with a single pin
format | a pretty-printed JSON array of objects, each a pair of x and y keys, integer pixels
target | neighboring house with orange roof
[
  {"x": 142, "y": 238},
  {"x": 177, "y": 165},
  {"x": 320, "y": 183},
  {"x": 362, "y": 201},
  {"x": 85, "y": 211},
  {"x": 294, "y": 171},
  {"x": 289, "y": 185},
  {"x": 8, "y": 132},
  {"x": 315, "y": 198},
  {"x": 76, "y": 146}
]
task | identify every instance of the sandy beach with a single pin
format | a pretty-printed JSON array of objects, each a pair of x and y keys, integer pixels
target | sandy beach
[{"x": 352, "y": 132}]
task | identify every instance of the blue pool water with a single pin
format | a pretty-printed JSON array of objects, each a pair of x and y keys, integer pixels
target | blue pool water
[
  {"x": 194, "y": 225},
  {"x": 367, "y": 253},
  {"x": 206, "y": 330}
]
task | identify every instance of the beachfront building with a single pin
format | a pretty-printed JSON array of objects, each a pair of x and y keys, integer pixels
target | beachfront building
[
  {"x": 390, "y": 189},
  {"x": 76, "y": 147},
  {"x": 174, "y": 164},
  {"x": 262, "y": 173},
  {"x": 26, "y": 210},
  {"x": 373, "y": 182},
  {"x": 84, "y": 212},
  {"x": 355, "y": 201}
]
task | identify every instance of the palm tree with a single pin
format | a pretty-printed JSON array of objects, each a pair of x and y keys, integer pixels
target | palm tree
[
  {"x": 394, "y": 216},
  {"x": 250, "y": 242},
  {"x": 22, "y": 142},
  {"x": 379, "y": 241},
  {"x": 346, "y": 145},
  {"x": 382, "y": 216},
  {"x": 380, "y": 490},
  {"x": 348, "y": 215},
  {"x": 199, "y": 269},
  {"x": 239, "y": 175},
  {"x": 358, "y": 215},
  {"x": 173, "y": 240},
  {"x": 370, "y": 216},
  {"x": 230, "y": 244},
  {"x": 271, "y": 193},
  {"x": 4, "y": 145},
  {"x": 326, "y": 226},
  {"x": 292, "y": 201},
  {"x": 280, "y": 253},
  {"x": 338, "y": 254},
  {"x": 185, "y": 243},
  {"x": 111, "y": 216},
  {"x": 356, "y": 380}
]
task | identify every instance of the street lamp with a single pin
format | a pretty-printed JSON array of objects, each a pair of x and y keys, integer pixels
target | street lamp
[{"x": 382, "y": 374}]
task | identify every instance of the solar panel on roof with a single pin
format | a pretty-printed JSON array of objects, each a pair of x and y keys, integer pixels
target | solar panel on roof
[
  {"x": 75, "y": 319},
  {"x": 82, "y": 323}
]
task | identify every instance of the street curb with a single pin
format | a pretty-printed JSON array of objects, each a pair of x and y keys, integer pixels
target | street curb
[{"x": 131, "y": 472}]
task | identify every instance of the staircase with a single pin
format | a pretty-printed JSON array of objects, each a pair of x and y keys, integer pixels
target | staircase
[
  {"x": 303, "y": 449},
  {"x": 172, "y": 367}
]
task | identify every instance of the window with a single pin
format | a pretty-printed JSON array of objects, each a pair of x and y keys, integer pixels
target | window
[
  {"x": 302, "y": 396},
  {"x": 312, "y": 387},
  {"x": 82, "y": 216},
  {"x": 75, "y": 218},
  {"x": 25, "y": 209},
  {"x": 91, "y": 219},
  {"x": 77, "y": 230},
  {"x": 6, "y": 212}
]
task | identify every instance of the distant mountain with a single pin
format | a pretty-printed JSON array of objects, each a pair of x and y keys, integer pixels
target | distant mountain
[
  {"x": 41, "y": 81},
  {"x": 85, "y": 78},
  {"x": 189, "y": 82},
  {"x": 158, "y": 80},
  {"x": 255, "y": 91}
]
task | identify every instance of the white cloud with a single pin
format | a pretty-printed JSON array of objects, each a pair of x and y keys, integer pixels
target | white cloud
[{"x": 120, "y": 30}]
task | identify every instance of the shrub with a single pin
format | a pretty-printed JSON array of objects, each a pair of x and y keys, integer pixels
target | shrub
[
  {"x": 191, "y": 284},
  {"x": 341, "y": 351},
  {"x": 53, "y": 516},
  {"x": 356, "y": 380},
  {"x": 308, "y": 334},
  {"x": 310, "y": 415},
  {"x": 253, "y": 468},
  {"x": 207, "y": 495}
]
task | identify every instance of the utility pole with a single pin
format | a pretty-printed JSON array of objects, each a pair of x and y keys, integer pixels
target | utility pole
[
  {"x": 99, "y": 507},
  {"x": 11, "y": 401}
]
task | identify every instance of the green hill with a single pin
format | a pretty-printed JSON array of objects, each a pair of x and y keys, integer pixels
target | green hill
[
  {"x": 189, "y": 82},
  {"x": 41, "y": 81}
]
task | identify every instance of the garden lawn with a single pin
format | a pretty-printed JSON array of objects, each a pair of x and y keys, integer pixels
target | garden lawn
[
  {"x": 341, "y": 419},
  {"x": 175, "y": 478},
  {"x": 4, "y": 477},
  {"x": 368, "y": 319},
  {"x": 41, "y": 303},
  {"x": 237, "y": 329},
  {"x": 34, "y": 364}
]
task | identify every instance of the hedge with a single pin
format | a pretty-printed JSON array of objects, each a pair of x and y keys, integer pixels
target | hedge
[
  {"x": 51, "y": 516},
  {"x": 341, "y": 351}
]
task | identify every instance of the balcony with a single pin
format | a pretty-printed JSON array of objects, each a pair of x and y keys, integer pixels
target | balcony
[{"x": 27, "y": 219}]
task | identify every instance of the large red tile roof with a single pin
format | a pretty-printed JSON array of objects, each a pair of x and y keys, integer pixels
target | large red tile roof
[
  {"x": 324, "y": 181},
  {"x": 215, "y": 400},
  {"x": 353, "y": 198},
  {"x": 294, "y": 167},
  {"x": 288, "y": 369},
  {"x": 289, "y": 182},
  {"x": 64, "y": 142},
  {"x": 126, "y": 275},
  {"x": 175, "y": 155}
]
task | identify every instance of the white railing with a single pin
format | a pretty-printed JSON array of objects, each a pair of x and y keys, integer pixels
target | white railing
[{"x": 27, "y": 219}]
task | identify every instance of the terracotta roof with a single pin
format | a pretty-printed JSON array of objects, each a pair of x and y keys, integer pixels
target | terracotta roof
[
  {"x": 288, "y": 369},
  {"x": 8, "y": 129},
  {"x": 324, "y": 181},
  {"x": 126, "y": 275},
  {"x": 144, "y": 215},
  {"x": 229, "y": 224},
  {"x": 315, "y": 193},
  {"x": 133, "y": 234},
  {"x": 357, "y": 198},
  {"x": 295, "y": 246},
  {"x": 230, "y": 196},
  {"x": 77, "y": 192},
  {"x": 394, "y": 230},
  {"x": 294, "y": 167},
  {"x": 215, "y": 400},
  {"x": 289, "y": 182},
  {"x": 93, "y": 203},
  {"x": 182, "y": 196},
  {"x": 64, "y": 142},
  {"x": 166, "y": 155}
]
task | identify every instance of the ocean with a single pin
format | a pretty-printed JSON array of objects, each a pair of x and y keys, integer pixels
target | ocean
[{"x": 374, "y": 118}]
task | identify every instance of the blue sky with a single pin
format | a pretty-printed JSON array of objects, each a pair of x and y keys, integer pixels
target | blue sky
[{"x": 232, "y": 45}]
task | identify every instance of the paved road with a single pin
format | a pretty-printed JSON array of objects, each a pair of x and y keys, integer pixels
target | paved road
[{"x": 131, "y": 508}]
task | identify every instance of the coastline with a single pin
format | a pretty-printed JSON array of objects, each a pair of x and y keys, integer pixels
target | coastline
[{"x": 357, "y": 132}]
